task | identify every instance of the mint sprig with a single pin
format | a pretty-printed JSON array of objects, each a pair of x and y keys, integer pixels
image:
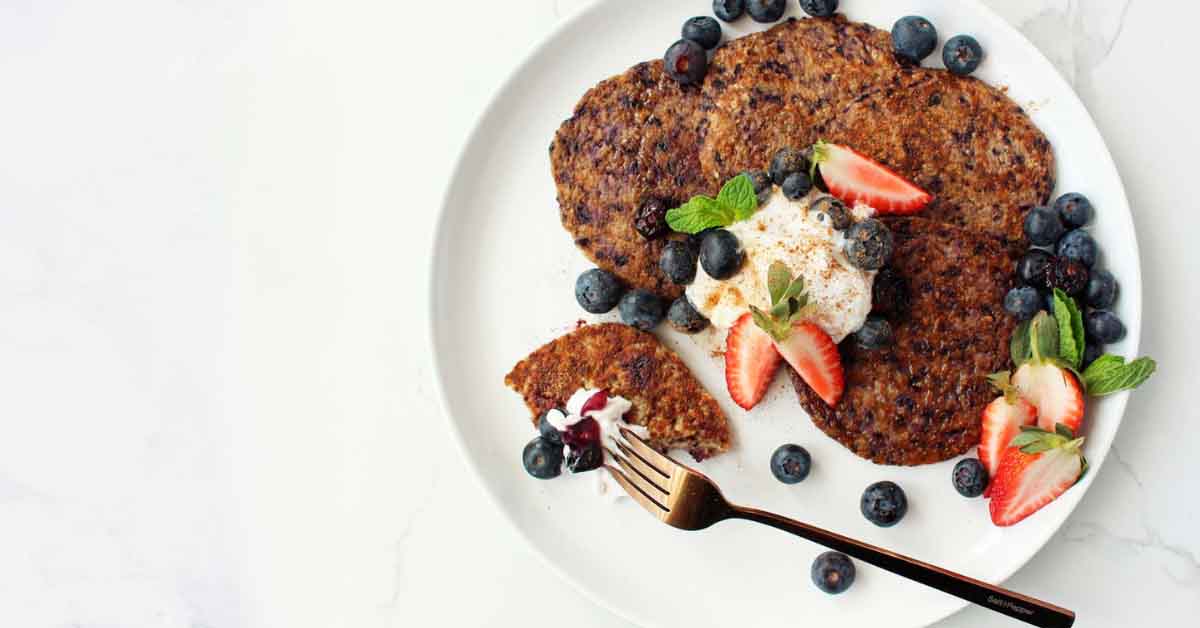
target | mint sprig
[
  {"x": 788, "y": 301},
  {"x": 1110, "y": 373},
  {"x": 736, "y": 201}
]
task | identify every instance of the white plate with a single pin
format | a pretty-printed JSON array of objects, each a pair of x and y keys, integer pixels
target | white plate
[{"x": 502, "y": 285}]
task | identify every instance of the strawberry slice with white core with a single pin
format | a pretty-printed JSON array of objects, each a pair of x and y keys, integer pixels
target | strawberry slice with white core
[
  {"x": 811, "y": 351},
  {"x": 1054, "y": 391},
  {"x": 750, "y": 362},
  {"x": 1002, "y": 420},
  {"x": 1025, "y": 481},
  {"x": 853, "y": 178}
]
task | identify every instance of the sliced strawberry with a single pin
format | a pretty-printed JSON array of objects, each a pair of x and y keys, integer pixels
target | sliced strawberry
[
  {"x": 750, "y": 362},
  {"x": 1054, "y": 391},
  {"x": 854, "y": 177},
  {"x": 814, "y": 356},
  {"x": 1001, "y": 422},
  {"x": 1030, "y": 477}
]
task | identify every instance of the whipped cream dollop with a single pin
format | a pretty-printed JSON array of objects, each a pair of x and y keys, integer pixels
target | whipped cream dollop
[
  {"x": 610, "y": 418},
  {"x": 785, "y": 230}
]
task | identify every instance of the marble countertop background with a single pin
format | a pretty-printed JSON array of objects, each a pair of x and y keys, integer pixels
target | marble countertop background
[{"x": 215, "y": 220}]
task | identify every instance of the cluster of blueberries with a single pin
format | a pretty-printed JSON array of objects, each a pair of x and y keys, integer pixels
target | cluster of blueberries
[{"x": 1064, "y": 257}]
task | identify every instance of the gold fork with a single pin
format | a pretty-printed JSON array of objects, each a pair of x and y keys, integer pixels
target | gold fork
[{"x": 686, "y": 499}]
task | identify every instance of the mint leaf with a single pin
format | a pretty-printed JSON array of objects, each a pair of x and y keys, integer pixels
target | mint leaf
[
  {"x": 1109, "y": 374},
  {"x": 1070, "y": 329},
  {"x": 738, "y": 195},
  {"x": 699, "y": 214},
  {"x": 1019, "y": 347}
]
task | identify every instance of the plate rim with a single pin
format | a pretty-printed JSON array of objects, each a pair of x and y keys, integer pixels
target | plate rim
[{"x": 995, "y": 23}]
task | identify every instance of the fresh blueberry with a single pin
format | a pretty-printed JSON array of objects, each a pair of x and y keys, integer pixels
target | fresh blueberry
[
  {"x": 543, "y": 459},
  {"x": 970, "y": 477},
  {"x": 889, "y": 294},
  {"x": 875, "y": 333},
  {"x": 694, "y": 240},
  {"x": 585, "y": 458},
  {"x": 869, "y": 244},
  {"x": 598, "y": 291},
  {"x": 1031, "y": 268},
  {"x": 686, "y": 62},
  {"x": 786, "y": 161},
  {"x": 1067, "y": 275},
  {"x": 1075, "y": 209},
  {"x": 703, "y": 30},
  {"x": 678, "y": 262},
  {"x": 684, "y": 317},
  {"x": 791, "y": 464},
  {"x": 720, "y": 254},
  {"x": 547, "y": 429},
  {"x": 1103, "y": 326},
  {"x": 761, "y": 181},
  {"x": 641, "y": 309},
  {"x": 729, "y": 10},
  {"x": 833, "y": 572},
  {"x": 834, "y": 210},
  {"x": 766, "y": 11},
  {"x": 884, "y": 504},
  {"x": 913, "y": 38},
  {"x": 796, "y": 185},
  {"x": 962, "y": 54},
  {"x": 1043, "y": 227},
  {"x": 650, "y": 220},
  {"x": 819, "y": 8},
  {"x": 1101, "y": 290},
  {"x": 1023, "y": 302},
  {"x": 1091, "y": 351},
  {"x": 1078, "y": 245}
]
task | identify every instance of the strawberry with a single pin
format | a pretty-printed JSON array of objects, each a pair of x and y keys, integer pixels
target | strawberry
[
  {"x": 750, "y": 362},
  {"x": 1036, "y": 469},
  {"x": 1054, "y": 391},
  {"x": 814, "y": 356},
  {"x": 1002, "y": 420},
  {"x": 854, "y": 177}
]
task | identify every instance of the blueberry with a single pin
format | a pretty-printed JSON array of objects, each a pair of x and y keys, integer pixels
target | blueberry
[
  {"x": 729, "y": 10},
  {"x": 1043, "y": 227},
  {"x": 962, "y": 54},
  {"x": 970, "y": 477},
  {"x": 833, "y": 209},
  {"x": 1031, "y": 268},
  {"x": 703, "y": 30},
  {"x": 542, "y": 458},
  {"x": 913, "y": 38},
  {"x": 833, "y": 572},
  {"x": 598, "y": 291},
  {"x": 1075, "y": 209},
  {"x": 796, "y": 185},
  {"x": 1023, "y": 302},
  {"x": 819, "y": 8},
  {"x": 889, "y": 294},
  {"x": 1101, "y": 291},
  {"x": 684, "y": 317},
  {"x": 585, "y": 458},
  {"x": 650, "y": 220},
  {"x": 766, "y": 11},
  {"x": 884, "y": 504},
  {"x": 869, "y": 244},
  {"x": 1103, "y": 326},
  {"x": 547, "y": 429},
  {"x": 875, "y": 333},
  {"x": 641, "y": 309},
  {"x": 686, "y": 62},
  {"x": 1091, "y": 351},
  {"x": 720, "y": 254},
  {"x": 761, "y": 182},
  {"x": 1078, "y": 245},
  {"x": 678, "y": 262},
  {"x": 694, "y": 240},
  {"x": 1067, "y": 275},
  {"x": 784, "y": 162},
  {"x": 791, "y": 464}
]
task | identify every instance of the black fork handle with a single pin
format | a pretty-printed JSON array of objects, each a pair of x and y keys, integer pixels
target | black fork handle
[{"x": 1003, "y": 601}]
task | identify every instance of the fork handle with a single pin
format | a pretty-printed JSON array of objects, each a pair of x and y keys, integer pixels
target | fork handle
[{"x": 1003, "y": 601}]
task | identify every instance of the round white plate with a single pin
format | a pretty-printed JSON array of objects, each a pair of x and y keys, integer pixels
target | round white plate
[{"x": 502, "y": 285}]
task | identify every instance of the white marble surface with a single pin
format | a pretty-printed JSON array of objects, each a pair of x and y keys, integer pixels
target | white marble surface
[{"x": 215, "y": 219}]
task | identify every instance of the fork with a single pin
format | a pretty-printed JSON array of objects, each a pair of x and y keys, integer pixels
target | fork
[{"x": 686, "y": 499}]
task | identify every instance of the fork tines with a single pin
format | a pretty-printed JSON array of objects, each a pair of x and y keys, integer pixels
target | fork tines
[{"x": 645, "y": 474}]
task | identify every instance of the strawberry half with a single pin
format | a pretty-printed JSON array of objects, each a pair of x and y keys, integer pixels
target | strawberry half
[
  {"x": 814, "y": 356},
  {"x": 750, "y": 362},
  {"x": 1038, "y": 468},
  {"x": 853, "y": 177},
  {"x": 1054, "y": 391},
  {"x": 1002, "y": 421}
]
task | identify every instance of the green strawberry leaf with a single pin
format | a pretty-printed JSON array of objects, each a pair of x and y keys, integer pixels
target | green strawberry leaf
[
  {"x": 699, "y": 214},
  {"x": 738, "y": 195},
  {"x": 1110, "y": 373},
  {"x": 778, "y": 330},
  {"x": 779, "y": 279},
  {"x": 1020, "y": 347},
  {"x": 1043, "y": 337},
  {"x": 1070, "y": 328}
]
